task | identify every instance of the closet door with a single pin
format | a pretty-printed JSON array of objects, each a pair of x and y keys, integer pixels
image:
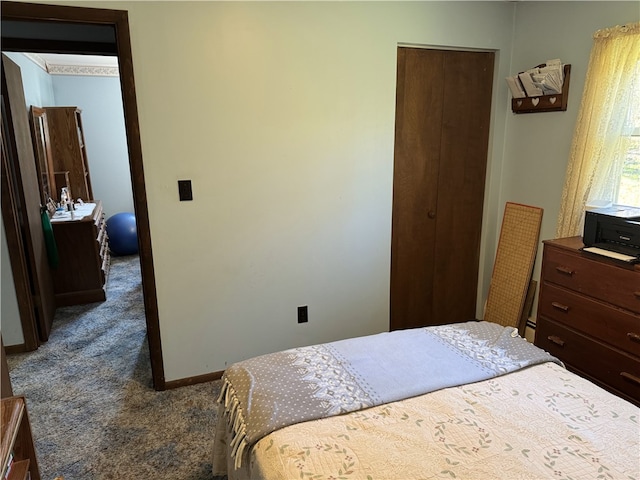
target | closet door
[{"x": 443, "y": 106}]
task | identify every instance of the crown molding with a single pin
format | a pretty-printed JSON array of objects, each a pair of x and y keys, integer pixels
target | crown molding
[
  {"x": 37, "y": 59},
  {"x": 78, "y": 69},
  {"x": 84, "y": 70}
]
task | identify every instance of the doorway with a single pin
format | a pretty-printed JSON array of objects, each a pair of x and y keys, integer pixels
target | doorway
[{"x": 78, "y": 30}]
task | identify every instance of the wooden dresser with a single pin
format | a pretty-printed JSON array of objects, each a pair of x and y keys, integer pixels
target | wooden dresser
[
  {"x": 84, "y": 259},
  {"x": 589, "y": 315}
]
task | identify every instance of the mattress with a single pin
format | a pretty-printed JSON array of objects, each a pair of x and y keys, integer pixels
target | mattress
[{"x": 539, "y": 422}]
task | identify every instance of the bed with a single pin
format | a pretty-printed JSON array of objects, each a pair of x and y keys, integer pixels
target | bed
[{"x": 470, "y": 400}]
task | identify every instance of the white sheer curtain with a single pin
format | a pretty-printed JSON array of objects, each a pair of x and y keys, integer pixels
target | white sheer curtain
[{"x": 601, "y": 135}]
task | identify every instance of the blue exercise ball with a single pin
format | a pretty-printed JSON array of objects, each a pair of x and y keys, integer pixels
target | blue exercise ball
[{"x": 123, "y": 236}]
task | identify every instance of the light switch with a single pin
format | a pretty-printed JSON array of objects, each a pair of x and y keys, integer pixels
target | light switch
[{"x": 184, "y": 190}]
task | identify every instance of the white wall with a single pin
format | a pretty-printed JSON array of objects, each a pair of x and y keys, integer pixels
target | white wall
[
  {"x": 9, "y": 313},
  {"x": 283, "y": 116}
]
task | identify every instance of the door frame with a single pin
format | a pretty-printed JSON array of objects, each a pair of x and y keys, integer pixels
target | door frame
[{"x": 118, "y": 19}]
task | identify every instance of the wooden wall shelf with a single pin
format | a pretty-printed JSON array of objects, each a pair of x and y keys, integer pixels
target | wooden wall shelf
[{"x": 545, "y": 103}]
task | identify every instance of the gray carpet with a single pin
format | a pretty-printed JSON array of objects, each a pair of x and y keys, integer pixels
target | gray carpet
[{"x": 93, "y": 411}]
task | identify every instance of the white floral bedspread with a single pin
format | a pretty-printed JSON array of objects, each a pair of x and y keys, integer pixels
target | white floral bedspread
[
  {"x": 269, "y": 392},
  {"x": 542, "y": 422}
]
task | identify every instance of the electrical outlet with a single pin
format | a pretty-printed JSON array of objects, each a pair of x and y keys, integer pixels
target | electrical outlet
[
  {"x": 184, "y": 190},
  {"x": 303, "y": 314}
]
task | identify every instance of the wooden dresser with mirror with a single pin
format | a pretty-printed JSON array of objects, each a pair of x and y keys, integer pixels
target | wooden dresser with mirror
[{"x": 81, "y": 240}]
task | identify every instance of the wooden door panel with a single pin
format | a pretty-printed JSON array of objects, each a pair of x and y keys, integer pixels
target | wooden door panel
[
  {"x": 20, "y": 151},
  {"x": 15, "y": 243},
  {"x": 415, "y": 183},
  {"x": 443, "y": 103},
  {"x": 465, "y": 136}
]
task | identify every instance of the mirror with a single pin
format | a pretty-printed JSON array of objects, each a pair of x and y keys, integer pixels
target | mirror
[{"x": 42, "y": 151}]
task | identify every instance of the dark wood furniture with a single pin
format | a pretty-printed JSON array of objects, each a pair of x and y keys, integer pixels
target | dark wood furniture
[
  {"x": 589, "y": 315},
  {"x": 21, "y": 200},
  {"x": 84, "y": 259},
  {"x": 42, "y": 152},
  {"x": 17, "y": 441},
  {"x": 6, "y": 390},
  {"x": 68, "y": 151},
  {"x": 443, "y": 109}
]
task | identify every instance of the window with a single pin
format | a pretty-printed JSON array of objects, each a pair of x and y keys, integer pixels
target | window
[
  {"x": 628, "y": 189},
  {"x": 604, "y": 162}
]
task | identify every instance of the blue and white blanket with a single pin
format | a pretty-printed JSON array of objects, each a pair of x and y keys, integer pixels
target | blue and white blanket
[{"x": 272, "y": 391}]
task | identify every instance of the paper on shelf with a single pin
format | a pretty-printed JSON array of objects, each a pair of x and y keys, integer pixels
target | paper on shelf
[
  {"x": 549, "y": 78},
  {"x": 516, "y": 88},
  {"x": 529, "y": 87},
  {"x": 610, "y": 254},
  {"x": 545, "y": 79}
]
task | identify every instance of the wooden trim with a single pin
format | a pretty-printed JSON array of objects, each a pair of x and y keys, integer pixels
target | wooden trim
[
  {"x": 28, "y": 45},
  {"x": 140, "y": 198},
  {"x": 38, "y": 12},
  {"x": 12, "y": 349},
  {"x": 80, "y": 297},
  {"x": 6, "y": 390},
  {"x": 184, "y": 382},
  {"x": 119, "y": 19}
]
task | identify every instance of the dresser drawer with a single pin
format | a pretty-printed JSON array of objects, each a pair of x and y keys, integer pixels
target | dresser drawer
[
  {"x": 611, "y": 367},
  {"x": 607, "y": 324},
  {"x": 603, "y": 281}
]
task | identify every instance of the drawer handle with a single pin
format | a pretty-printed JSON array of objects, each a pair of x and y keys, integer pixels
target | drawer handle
[
  {"x": 630, "y": 378},
  {"x": 560, "y": 306},
  {"x": 564, "y": 270},
  {"x": 637, "y": 294},
  {"x": 634, "y": 337},
  {"x": 555, "y": 339}
]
